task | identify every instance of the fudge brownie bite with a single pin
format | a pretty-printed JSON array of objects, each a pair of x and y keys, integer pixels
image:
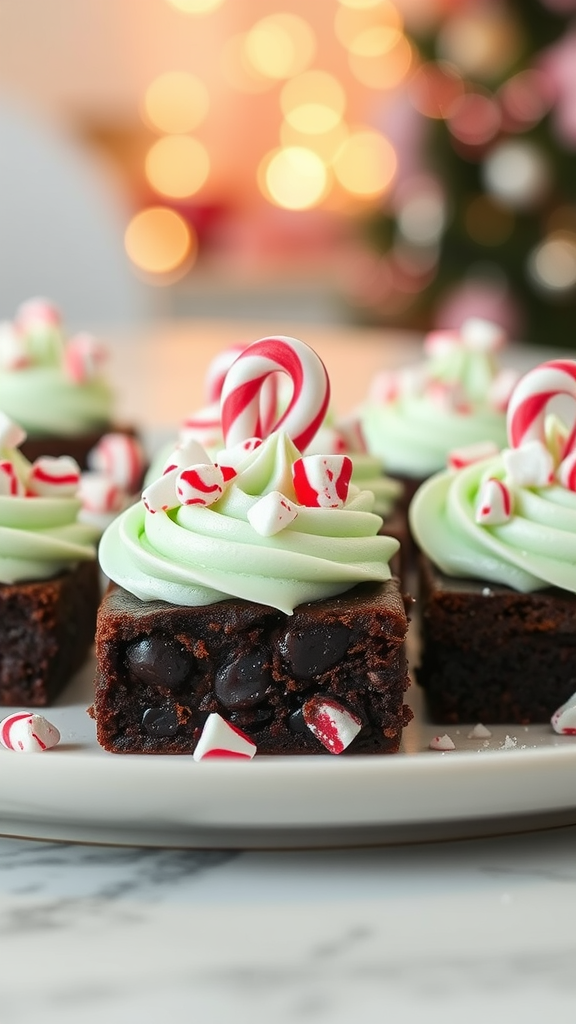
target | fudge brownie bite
[
  {"x": 49, "y": 582},
  {"x": 53, "y": 385},
  {"x": 498, "y": 569},
  {"x": 256, "y": 590}
]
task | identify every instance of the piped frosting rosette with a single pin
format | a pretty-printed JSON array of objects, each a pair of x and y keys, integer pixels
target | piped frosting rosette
[
  {"x": 262, "y": 522},
  {"x": 415, "y": 414},
  {"x": 511, "y": 518},
  {"x": 39, "y": 532},
  {"x": 336, "y": 436},
  {"x": 49, "y": 384}
]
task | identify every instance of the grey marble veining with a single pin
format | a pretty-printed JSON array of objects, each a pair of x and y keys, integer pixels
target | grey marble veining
[{"x": 473, "y": 931}]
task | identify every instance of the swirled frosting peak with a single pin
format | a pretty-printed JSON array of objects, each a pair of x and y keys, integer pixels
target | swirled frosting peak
[
  {"x": 511, "y": 518},
  {"x": 50, "y": 384},
  {"x": 198, "y": 554},
  {"x": 40, "y": 535},
  {"x": 415, "y": 415}
]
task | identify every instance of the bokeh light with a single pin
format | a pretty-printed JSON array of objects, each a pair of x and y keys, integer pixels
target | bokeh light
[
  {"x": 160, "y": 242},
  {"x": 474, "y": 119},
  {"x": 196, "y": 6},
  {"x": 353, "y": 26},
  {"x": 280, "y": 45},
  {"x": 434, "y": 88},
  {"x": 366, "y": 163},
  {"x": 517, "y": 173},
  {"x": 524, "y": 99},
  {"x": 483, "y": 41},
  {"x": 175, "y": 102},
  {"x": 313, "y": 102},
  {"x": 552, "y": 264},
  {"x": 294, "y": 178},
  {"x": 325, "y": 144},
  {"x": 177, "y": 166},
  {"x": 383, "y": 72},
  {"x": 360, "y": 4},
  {"x": 420, "y": 210},
  {"x": 238, "y": 71}
]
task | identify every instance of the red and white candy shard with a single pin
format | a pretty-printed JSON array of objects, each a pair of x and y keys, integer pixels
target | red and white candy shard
[
  {"x": 566, "y": 472},
  {"x": 160, "y": 495},
  {"x": 120, "y": 457},
  {"x": 83, "y": 357},
  {"x": 10, "y": 485},
  {"x": 531, "y": 465},
  {"x": 99, "y": 494},
  {"x": 332, "y": 724},
  {"x": 11, "y": 434},
  {"x": 444, "y": 742},
  {"x": 232, "y": 458},
  {"x": 563, "y": 720},
  {"x": 349, "y": 428},
  {"x": 271, "y": 514},
  {"x": 479, "y": 335},
  {"x": 328, "y": 441},
  {"x": 200, "y": 484},
  {"x": 494, "y": 503},
  {"x": 459, "y": 458},
  {"x": 241, "y": 392},
  {"x": 187, "y": 453},
  {"x": 13, "y": 352},
  {"x": 54, "y": 477},
  {"x": 37, "y": 312},
  {"x": 27, "y": 733},
  {"x": 221, "y": 739},
  {"x": 322, "y": 481}
]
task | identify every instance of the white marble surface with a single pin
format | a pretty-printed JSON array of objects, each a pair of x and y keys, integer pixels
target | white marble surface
[{"x": 473, "y": 931}]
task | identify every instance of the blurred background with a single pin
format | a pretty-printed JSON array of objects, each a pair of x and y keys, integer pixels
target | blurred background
[{"x": 398, "y": 162}]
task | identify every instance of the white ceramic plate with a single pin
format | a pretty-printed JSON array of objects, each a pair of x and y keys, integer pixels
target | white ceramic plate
[{"x": 523, "y": 777}]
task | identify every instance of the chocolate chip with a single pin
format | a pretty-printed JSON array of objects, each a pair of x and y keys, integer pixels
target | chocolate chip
[
  {"x": 312, "y": 652},
  {"x": 160, "y": 721},
  {"x": 157, "y": 661},
  {"x": 296, "y": 722},
  {"x": 243, "y": 682},
  {"x": 252, "y": 721}
]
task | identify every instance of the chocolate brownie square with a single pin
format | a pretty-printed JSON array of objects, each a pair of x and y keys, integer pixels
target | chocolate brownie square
[
  {"x": 493, "y": 654},
  {"x": 162, "y": 669},
  {"x": 46, "y": 630}
]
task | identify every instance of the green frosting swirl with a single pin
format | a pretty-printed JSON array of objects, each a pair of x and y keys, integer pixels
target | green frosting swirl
[
  {"x": 536, "y": 548},
  {"x": 412, "y": 434},
  {"x": 46, "y": 402},
  {"x": 196, "y": 555},
  {"x": 40, "y": 537}
]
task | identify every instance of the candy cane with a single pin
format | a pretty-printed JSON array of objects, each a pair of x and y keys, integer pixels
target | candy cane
[
  {"x": 530, "y": 399},
  {"x": 240, "y": 406},
  {"x": 214, "y": 382}
]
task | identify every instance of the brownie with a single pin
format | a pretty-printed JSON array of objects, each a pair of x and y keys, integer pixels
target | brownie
[
  {"x": 46, "y": 631},
  {"x": 162, "y": 668},
  {"x": 491, "y": 654}
]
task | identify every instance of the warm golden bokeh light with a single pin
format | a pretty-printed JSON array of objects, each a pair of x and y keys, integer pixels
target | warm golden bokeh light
[
  {"x": 383, "y": 72},
  {"x": 375, "y": 41},
  {"x": 158, "y": 241},
  {"x": 352, "y": 23},
  {"x": 313, "y": 118},
  {"x": 324, "y": 144},
  {"x": 175, "y": 102},
  {"x": 237, "y": 69},
  {"x": 313, "y": 87},
  {"x": 366, "y": 163},
  {"x": 280, "y": 46},
  {"x": 294, "y": 178},
  {"x": 177, "y": 166},
  {"x": 196, "y": 6}
]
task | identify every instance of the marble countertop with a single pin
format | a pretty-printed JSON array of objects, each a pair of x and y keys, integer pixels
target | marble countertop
[{"x": 472, "y": 930}]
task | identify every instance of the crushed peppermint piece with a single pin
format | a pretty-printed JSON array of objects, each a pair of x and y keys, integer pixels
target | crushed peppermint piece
[
  {"x": 479, "y": 732},
  {"x": 563, "y": 720},
  {"x": 442, "y": 743},
  {"x": 28, "y": 733},
  {"x": 510, "y": 743}
]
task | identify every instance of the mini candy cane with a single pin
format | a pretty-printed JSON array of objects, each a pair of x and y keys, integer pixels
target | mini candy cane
[
  {"x": 54, "y": 478},
  {"x": 216, "y": 375},
  {"x": 222, "y": 739},
  {"x": 10, "y": 485},
  {"x": 119, "y": 456},
  {"x": 26, "y": 733},
  {"x": 494, "y": 503},
  {"x": 240, "y": 406},
  {"x": 530, "y": 399},
  {"x": 322, "y": 481}
]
